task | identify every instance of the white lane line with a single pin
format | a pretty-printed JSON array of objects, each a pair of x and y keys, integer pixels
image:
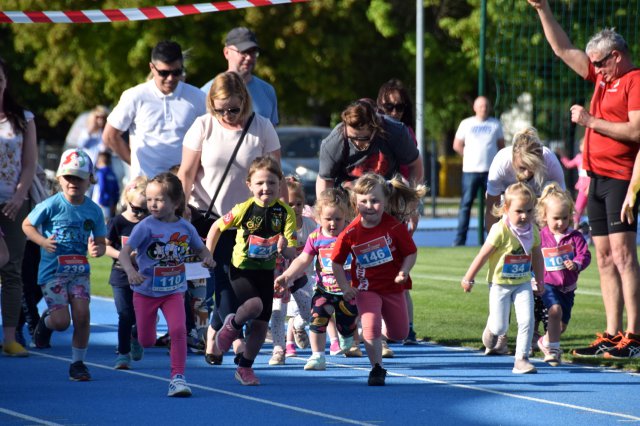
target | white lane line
[
  {"x": 220, "y": 391},
  {"x": 28, "y": 418}
]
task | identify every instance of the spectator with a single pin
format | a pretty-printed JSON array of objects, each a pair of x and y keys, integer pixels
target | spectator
[{"x": 107, "y": 191}]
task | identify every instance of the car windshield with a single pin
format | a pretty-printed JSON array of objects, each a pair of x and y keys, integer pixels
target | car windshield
[{"x": 300, "y": 146}]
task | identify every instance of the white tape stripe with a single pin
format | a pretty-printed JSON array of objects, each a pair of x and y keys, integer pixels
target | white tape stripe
[
  {"x": 19, "y": 17},
  {"x": 170, "y": 11},
  {"x": 134, "y": 14},
  {"x": 57, "y": 16},
  {"x": 28, "y": 418}
]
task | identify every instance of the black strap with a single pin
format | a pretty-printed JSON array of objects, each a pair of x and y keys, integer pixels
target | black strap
[{"x": 226, "y": 170}]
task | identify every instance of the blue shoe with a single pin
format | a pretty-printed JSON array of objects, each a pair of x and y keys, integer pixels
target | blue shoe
[
  {"x": 123, "y": 362},
  {"x": 137, "y": 351},
  {"x": 345, "y": 343}
]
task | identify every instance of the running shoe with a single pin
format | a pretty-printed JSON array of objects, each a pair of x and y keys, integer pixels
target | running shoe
[
  {"x": 137, "y": 351},
  {"x": 628, "y": 347},
  {"x": 551, "y": 355},
  {"x": 277, "y": 358},
  {"x": 78, "y": 372},
  {"x": 14, "y": 349},
  {"x": 334, "y": 349},
  {"x": 604, "y": 343},
  {"x": 213, "y": 359},
  {"x": 523, "y": 366},
  {"x": 502, "y": 347},
  {"x": 246, "y": 376},
  {"x": 42, "y": 334},
  {"x": 290, "y": 350},
  {"x": 301, "y": 337},
  {"x": 353, "y": 352},
  {"x": 226, "y": 335},
  {"x": 178, "y": 387},
  {"x": 410, "y": 339},
  {"x": 123, "y": 362},
  {"x": 489, "y": 340},
  {"x": 377, "y": 376},
  {"x": 387, "y": 352},
  {"x": 316, "y": 362},
  {"x": 195, "y": 343}
]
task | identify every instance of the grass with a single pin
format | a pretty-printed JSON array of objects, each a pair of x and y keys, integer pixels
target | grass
[{"x": 444, "y": 314}]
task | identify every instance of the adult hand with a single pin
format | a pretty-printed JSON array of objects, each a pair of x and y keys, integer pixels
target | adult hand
[
  {"x": 626, "y": 213},
  {"x": 12, "y": 207},
  {"x": 537, "y": 4},
  {"x": 580, "y": 116}
]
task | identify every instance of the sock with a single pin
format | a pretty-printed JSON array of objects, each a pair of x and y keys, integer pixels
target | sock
[
  {"x": 78, "y": 354},
  {"x": 243, "y": 362},
  {"x": 317, "y": 354},
  {"x": 234, "y": 324},
  {"x": 553, "y": 345}
]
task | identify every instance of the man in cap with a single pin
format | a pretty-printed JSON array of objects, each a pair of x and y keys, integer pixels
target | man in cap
[{"x": 241, "y": 51}]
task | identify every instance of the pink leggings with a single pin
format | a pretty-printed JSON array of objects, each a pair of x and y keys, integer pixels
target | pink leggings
[
  {"x": 172, "y": 307},
  {"x": 392, "y": 307}
]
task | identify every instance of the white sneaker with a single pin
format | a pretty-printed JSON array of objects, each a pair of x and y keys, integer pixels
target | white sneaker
[
  {"x": 387, "y": 352},
  {"x": 316, "y": 362},
  {"x": 178, "y": 387},
  {"x": 523, "y": 366},
  {"x": 277, "y": 358}
]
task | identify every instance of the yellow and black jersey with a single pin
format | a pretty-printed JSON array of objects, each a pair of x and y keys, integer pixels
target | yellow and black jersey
[{"x": 259, "y": 228}]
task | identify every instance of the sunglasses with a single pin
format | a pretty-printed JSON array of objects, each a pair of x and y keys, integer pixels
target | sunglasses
[
  {"x": 388, "y": 107},
  {"x": 227, "y": 111},
  {"x": 602, "y": 62},
  {"x": 138, "y": 210},
  {"x": 166, "y": 73}
]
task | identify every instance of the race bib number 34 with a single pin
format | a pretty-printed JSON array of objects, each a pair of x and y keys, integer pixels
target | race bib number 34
[
  {"x": 373, "y": 253},
  {"x": 516, "y": 266},
  {"x": 73, "y": 264},
  {"x": 554, "y": 257}
]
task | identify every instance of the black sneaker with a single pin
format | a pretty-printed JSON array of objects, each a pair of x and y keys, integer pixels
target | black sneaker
[
  {"x": 603, "y": 344},
  {"x": 411, "y": 338},
  {"x": 42, "y": 334},
  {"x": 213, "y": 359},
  {"x": 377, "y": 376},
  {"x": 628, "y": 347},
  {"x": 78, "y": 372}
]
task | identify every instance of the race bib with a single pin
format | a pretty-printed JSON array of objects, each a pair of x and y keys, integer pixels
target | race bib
[
  {"x": 168, "y": 278},
  {"x": 373, "y": 253},
  {"x": 262, "y": 248},
  {"x": 73, "y": 264},
  {"x": 554, "y": 257},
  {"x": 516, "y": 266},
  {"x": 324, "y": 254}
]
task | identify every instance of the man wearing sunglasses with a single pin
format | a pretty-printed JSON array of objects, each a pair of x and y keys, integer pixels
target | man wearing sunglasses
[
  {"x": 156, "y": 113},
  {"x": 477, "y": 140},
  {"x": 241, "y": 51},
  {"x": 612, "y": 135}
]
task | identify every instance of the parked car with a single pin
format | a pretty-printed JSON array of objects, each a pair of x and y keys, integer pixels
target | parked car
[{"x": 300, "y": 147}]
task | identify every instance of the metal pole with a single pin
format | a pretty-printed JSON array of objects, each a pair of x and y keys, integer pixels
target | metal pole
[
  {"x": 481, "y": 78},
  {"x": 420, "y": 93}
]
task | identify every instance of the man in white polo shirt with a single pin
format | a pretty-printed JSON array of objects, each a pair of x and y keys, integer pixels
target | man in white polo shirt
[
  {"x": 157, "y": 115},
  {"x": 477, "y": 140}
]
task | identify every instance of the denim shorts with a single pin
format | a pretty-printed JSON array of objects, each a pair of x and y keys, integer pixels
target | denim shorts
[
  {"x": 553, "y": 296},
  {"x": 59, "y": 291}
]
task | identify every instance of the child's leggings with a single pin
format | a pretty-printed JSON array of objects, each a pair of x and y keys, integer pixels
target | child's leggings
[
  {"x": 172, "y": 307},
  {"x": 500, "y": 299},
  {"x": 373, "y": 307}
]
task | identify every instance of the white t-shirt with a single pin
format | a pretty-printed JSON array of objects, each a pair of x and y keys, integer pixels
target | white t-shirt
[
  {"x": 157, "y": 124},
  {"x": 11, "y": 146},
  {"x": 502, "y": 174},
  {"x": 216, "y": 144},
  {"x": 480, "y": 143}
]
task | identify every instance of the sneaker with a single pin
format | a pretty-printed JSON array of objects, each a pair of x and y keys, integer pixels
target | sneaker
[
  {"x": 604, "y": 343},
  {"x": 226, "y": 335},
  {"x": 628, "y": 347},
  {"x": 78, "y": 372},
  {"x": 386, "y": 351},
  {"x": 213, "y": 359},
  {"x": 345, "y": 343},
  {"x": 489, "y": 340},
  {"x": 162, "y": 341},
  {"x": 246, "y": 376},
  {"x": 14, "y": 349},
  {"x": 290, "y": 350},
  {"x": 353, "y": 352},
  {"x": 410, "y": 339},
  {"x": 301, "y": 337},
  {"x": 502, "y": 347},
  {"x": 42, "y": 334},
  {"x": 195, "y": 343},
  {"x": 277, "y": 358},
  {"x": 123, "y": 362},
  {"x": 137, "y": 351},
  {"x": 523, "y": 366},
  {"x": 551, "y": 355},
  {"x": 377, "y": 376},
  {"x": 316, "y": 362},
  {"x": 178, "y": 387},
  {"x": 334, "y": 349}
]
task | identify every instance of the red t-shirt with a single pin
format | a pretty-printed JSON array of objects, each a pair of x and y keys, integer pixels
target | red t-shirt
[
  {"x": 377, "y": 253},
  {"x": 612, "y": 102}
]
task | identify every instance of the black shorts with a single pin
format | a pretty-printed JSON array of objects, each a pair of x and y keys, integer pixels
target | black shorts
[
  {"x": 606, "y": 196},
  {"x": 248, "y": 283}
]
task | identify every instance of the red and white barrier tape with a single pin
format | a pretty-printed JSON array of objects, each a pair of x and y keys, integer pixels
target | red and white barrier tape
[{"x": 131, "y": 14}]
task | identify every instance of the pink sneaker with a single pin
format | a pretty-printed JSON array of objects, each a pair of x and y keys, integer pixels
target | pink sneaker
[
  {"x": 334, "y": 349},
  {"x": 290, "y": 350},
  {"x": 246, "y": 376},
  {"x": 226, "y": 335}
]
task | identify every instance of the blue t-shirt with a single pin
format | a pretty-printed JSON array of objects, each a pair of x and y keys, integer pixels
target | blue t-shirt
[
  {"x": 162, "y": 248},
  {"x": 72, "y": 225},
  {"x": 109, "y": 190}
]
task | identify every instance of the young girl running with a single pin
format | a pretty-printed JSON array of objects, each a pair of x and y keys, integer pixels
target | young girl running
[
  {"x": 265, "y": 225},
  {"x": 300, "y": 290},
  {"x": 332, "y": 210},
  {"x": 135, "y": 209},
  {"x": 71, "y": 225},
  {"x": 161, "y": 242},
  {"x": 383, "y": 254},
  {"x": 566, "y": 254},
  {"x": 512, "y": 249}
]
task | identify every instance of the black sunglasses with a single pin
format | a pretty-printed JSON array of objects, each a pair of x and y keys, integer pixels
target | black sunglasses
[
  {"x": 603, "y": 61},
  {"x": 166, "y": 73},
  {"x": 229, "y": 111},
  {"x": 138, "y": 210},
  {"x": 388, "y": 107}
]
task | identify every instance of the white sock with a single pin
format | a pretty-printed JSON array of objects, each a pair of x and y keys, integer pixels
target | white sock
[{"x": 78, "y": 354}]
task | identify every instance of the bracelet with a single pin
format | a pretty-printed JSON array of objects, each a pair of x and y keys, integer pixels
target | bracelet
[{"x": 470, "y": 282}]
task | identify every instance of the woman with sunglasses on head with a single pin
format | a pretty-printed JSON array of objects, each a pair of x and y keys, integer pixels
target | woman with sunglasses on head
[{"x": 207, "y": 149}]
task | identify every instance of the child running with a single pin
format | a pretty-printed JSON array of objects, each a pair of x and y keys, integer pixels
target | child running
[
  {"x": 161, "y": 242},
  {"x": 566, "y": 254},
  {"x": 383, "y": 254},
  {"x": 300, "y": 289},
  {"x": 332, "y": 210},
  {"x": 265, "y": 226},
  {"x": 512, "y": 248},
  {"x": 71, "y": 226},
  {"x": 135, "y": 209}
]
